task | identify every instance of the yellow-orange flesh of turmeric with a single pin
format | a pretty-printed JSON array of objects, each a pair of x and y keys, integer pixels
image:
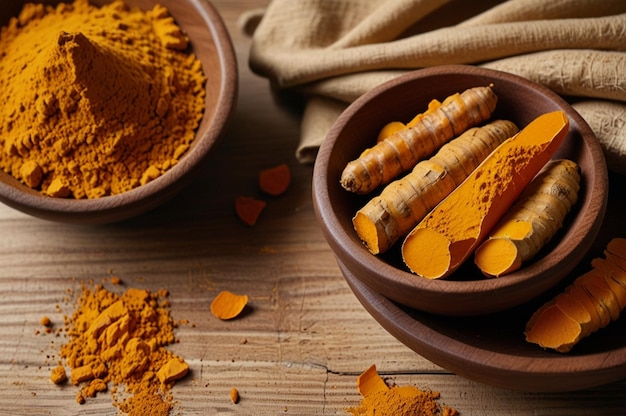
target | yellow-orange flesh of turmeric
[
  {"x": 387, "y": 218},
  {"x": 402, "y": 150},
  {"x": 450, "y": 233},
  {"x": 533, "y": 221},
  {"x": 591, "y": 302},
  {"x": 228, "y": 305},
  {"x": 395, "y": 126},
  {"x": 369, "y": 381}
]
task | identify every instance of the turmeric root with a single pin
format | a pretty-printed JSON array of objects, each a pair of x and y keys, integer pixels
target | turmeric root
[
  {"x": 401, "y": 151},
  {"x": 532, "y": 221},
  {"x": 450, "y": 233},
  {"x": 403, "y": 203},
  {"x": 395, "y": 126},
  {"x": 590, "y": 303}
]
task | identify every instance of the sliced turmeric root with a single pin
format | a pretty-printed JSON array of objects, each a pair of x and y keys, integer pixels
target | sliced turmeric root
[
  {"x": 227, "y": 305},
  {"x": 533, "y": 220},
  {"x": 602, "y": 293},
  {"x": 369, "y": 381},
  {"x": 403, "y": 203},
  {"x": 402, "y": 150},
  {"x": 450, "y": 233}
]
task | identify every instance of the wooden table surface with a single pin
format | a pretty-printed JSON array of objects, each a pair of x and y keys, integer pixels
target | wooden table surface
[{"x": 307, "y": 337}]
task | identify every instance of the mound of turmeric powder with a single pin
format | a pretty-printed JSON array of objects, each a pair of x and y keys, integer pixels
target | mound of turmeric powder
[
  {"x": 118, "y": 342},
  {"x": 95, "y": 101}
]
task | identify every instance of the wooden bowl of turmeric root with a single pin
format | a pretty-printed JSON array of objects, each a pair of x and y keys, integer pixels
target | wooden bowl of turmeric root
[
  {"x": 460, "y": 191},
  {"x": 109, "y": 108}
]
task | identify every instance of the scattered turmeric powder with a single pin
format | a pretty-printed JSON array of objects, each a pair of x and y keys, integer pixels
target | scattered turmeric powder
[
  {"x": 227, "y": 305},
  {"x": 121, "y": 340},
  {"x": 403, "y": 203},
  {"x": 402, "y": 150},
  {"x": 590, "y": 303},
  {"x": 249, "y": 209},
  {"x": 95, "y": 101},
  {"x": 397, "y": 400},
  {"x": 450, "y": 233},
  {"x": 533, "y": 220},
  {"x": 275, "y": 180}
]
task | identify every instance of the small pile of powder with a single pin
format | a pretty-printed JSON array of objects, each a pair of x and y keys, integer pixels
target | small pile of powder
[
  {"x": 119, "y": 342},
  {"x": 381, "y": 400},
  {"x": 402, "y": 401},
  {"x": 95, "y": 101}
]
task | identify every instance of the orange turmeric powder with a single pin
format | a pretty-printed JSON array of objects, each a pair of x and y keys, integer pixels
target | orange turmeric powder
[
  {"x": 120, "y": 341},
  {"x": 450, "y": 233},
  {"x": 95, "y": 101},
  {"x": 380, "y": 399},
  {"x": 405, "y": 202}
]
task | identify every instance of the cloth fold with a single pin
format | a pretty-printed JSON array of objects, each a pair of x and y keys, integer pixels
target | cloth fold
[{"x": 331, "y": 52}]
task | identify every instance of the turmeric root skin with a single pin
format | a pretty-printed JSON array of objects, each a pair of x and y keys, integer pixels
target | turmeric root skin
[
  {"x": 401, "y": 151},
  {"x": 450, "y": 233},
  {"x": 403, "y": 203},
  {"x": 532, "y": 221}
]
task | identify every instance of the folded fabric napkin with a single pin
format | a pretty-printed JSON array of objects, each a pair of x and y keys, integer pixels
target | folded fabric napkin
[{"x": 332, "y": 51}]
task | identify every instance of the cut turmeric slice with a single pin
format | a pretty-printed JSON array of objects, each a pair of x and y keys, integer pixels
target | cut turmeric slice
[
  {"x": 601, "y": 295},
  {"x": 369, "y": 381},
  {"x": 249, "y": 209},
  {"x": 450, "y": 233},
  {"x": 554, "y": 329},
  {"x": 402, "y": 150},
  {"x": 533, "y": 221},
  {"x": 227, "y": 305},
  {"x": 403, "y": 203},
  {"x": 275, "y": 181}
]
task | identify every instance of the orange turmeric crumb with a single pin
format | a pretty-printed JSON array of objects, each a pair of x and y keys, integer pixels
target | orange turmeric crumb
[
  {"x": 234, "y": 395},
  {"x": 58, "y": 375},
  {"x": 275, "y": 181},
  {"x": 45, "y": 321},
  {"x": 227, "y": 305},
  {"x": 369, "y": 381},
  {"x": 249, "y": 209}
]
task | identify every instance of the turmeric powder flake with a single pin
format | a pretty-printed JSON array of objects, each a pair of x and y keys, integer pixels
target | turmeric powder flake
[{"x": 227, "y": 305}]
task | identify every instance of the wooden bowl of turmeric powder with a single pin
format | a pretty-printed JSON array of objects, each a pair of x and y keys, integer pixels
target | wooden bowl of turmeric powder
[
  {"x": 492, "y": 100},
  {"x": 109, "y": 108}
]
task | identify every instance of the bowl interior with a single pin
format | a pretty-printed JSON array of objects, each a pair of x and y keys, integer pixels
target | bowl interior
[
  {"x": 466, "y": 292},
  {"x": 211, "y": 43}
]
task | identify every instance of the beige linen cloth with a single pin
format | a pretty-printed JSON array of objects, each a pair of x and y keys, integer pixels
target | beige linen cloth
[{"x": 332, "y": 51}]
